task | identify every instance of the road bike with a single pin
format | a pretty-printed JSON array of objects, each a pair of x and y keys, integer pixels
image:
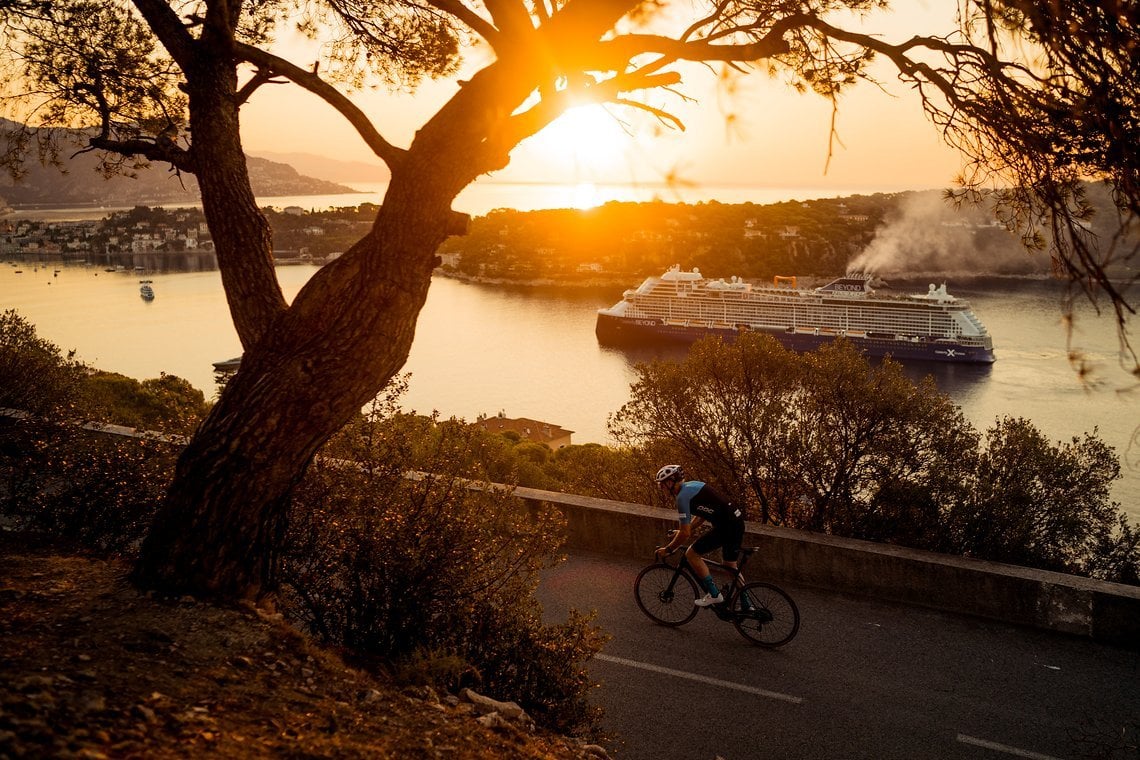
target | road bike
[{"x": 762, "y": 612}]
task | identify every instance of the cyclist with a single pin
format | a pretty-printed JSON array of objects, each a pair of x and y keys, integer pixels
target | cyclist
[{"x": 698, "y": 503}]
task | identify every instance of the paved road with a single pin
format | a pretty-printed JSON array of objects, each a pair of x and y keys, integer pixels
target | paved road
[{"x": 863, "y": 679}]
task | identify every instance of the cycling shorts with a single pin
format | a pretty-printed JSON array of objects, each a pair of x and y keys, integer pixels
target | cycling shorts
[{"x": 728, "y": 536}]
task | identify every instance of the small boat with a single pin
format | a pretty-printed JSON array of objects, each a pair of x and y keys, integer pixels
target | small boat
[
  {"x": 228, "y": 366},
  {"x": 146, "y": 291}
]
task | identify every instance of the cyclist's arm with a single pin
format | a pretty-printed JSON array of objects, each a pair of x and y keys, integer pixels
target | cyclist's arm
[{"x": 680, "y": 537}]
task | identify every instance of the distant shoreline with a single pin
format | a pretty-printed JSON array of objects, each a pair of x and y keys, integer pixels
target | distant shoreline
[
  {"x": 603, "y": 281},
  {"x": 631, "y": 281}
]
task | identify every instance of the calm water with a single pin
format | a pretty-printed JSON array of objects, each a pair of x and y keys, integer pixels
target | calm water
[{"x": 531, "y": 352}]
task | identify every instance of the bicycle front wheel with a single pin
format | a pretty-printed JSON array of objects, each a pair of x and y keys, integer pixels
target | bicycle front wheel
[
  {"x": 765, "y": 615},
  {"x": 666, "y": 595}
]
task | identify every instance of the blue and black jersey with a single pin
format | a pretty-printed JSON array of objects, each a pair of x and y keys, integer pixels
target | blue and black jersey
[{"x": 697, "y": 499}]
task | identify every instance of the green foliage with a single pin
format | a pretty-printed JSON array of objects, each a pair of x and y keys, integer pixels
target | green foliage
[
  {"x": 108, "y": 64},
  {"x": 1044, "y": 505},
  {"x": 167, "y": 403},
  {"x": 861, "y": 428},
  {"x": 96, "y": 490},
  {"x": 727, "y": 407},
  {"x": 604, "y": 472},
  {"x": 436, "y": 570},
  {"x": 34, "y": 376}
]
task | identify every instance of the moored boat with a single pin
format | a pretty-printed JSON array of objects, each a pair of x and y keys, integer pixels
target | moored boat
[{"x": 685, "y": 306}]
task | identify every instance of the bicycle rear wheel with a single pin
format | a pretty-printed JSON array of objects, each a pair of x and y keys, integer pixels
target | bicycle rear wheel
[
  {"x": 665, "y": 595},
  {"x": 765, "y": 615}
]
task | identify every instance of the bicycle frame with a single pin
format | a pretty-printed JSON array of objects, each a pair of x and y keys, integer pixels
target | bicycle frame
[{"x": 723, "y": 611}]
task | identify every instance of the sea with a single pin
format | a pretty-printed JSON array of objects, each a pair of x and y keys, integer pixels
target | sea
[{"x": 530, "y": 351}]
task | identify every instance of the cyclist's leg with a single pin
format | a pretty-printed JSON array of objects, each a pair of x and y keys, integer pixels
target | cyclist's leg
[
  {"x": 734, "y": 539},
  {"x": 703, "y": 545}
]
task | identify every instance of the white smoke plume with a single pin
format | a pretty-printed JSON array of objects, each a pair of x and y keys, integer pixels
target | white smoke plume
[{"x": 927, "y": 235}]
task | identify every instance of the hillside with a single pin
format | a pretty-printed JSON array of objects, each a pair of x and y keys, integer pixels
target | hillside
[
  {"x": 92, "y": 668},
  {"x": 79, "y": 182},
  {"x": 331, "y": 168}
]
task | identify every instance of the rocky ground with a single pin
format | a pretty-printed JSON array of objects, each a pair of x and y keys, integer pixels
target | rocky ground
[{"x": 91, "y": 668}]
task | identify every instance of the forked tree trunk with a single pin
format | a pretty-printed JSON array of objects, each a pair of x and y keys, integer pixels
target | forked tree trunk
[
  {"x": 346, "y": 335},
  {"x": 309, "y": 368}
]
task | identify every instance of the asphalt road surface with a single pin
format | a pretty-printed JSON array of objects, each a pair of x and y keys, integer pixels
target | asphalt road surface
[{"x": 863, "y": 679}]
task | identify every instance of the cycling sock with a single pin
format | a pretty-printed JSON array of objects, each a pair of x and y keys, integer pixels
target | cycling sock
[{"x": 710, "y": 585}]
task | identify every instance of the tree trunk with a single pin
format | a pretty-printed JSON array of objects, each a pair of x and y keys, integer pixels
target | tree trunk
[
  {"x": 348, "y": 332},
  {"x": 309, "y": 368}
]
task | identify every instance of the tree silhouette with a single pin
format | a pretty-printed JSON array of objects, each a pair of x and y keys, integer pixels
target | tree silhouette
[{"x": 1038, "y": 96}]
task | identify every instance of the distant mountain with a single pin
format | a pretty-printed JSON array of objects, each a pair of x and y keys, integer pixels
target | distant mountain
[
  {"x": 81, "y": 183},
  {"x": 331, "y": 169}
]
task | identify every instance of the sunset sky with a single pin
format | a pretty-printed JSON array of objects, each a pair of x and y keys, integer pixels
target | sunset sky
[{"x": 780, "y": 138}]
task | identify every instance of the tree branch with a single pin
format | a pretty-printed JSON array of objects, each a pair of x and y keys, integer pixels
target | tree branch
[
  {"x": 169, "y": 29},
  {"x": 523, "y": 125},
  {"x": 259, "y": 78},
  {"x": 512, "y": 19},
  {"x": 269, "y": 63},
  {"x": 157, "y": 150},
  {"x": 615, "y": 54},
  {"x": 473, "y": 20}
]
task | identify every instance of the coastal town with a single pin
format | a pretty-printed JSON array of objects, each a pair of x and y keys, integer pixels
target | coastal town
[
  {"x": 159, "y": 239},
  {"x": 622, "y": 240}
]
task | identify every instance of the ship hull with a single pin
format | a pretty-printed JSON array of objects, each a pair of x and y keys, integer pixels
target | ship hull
[{"x": 618, "y": 330}]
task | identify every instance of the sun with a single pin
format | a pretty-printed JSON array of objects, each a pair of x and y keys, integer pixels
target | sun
[{"x": 588, "y": 141}]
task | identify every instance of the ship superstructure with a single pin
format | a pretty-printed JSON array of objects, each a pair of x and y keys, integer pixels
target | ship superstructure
[{"x": 684, "y": 305}]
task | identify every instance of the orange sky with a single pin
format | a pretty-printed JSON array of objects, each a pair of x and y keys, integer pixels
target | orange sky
[{"x": 780, "y": 139}]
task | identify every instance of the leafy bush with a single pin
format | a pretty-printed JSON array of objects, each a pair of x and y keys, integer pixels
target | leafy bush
[
  {"x": 96, "y": 490},
  {"x": 1033, "y": 503},
  {"x": 34, "y": 376},
  {"x": 167, "y": 403},
  {"x": 439, "y": 570},
  {"x": 605, "y": 472}
]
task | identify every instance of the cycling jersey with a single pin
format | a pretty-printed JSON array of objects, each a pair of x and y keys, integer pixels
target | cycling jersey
[{"x": 697, "y": 499}]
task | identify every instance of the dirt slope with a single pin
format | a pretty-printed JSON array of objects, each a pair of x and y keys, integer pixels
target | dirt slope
[{"x": 89, "y": 667}]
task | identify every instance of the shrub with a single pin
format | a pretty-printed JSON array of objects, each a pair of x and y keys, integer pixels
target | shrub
[
  {"x": 619, "y": 474},
  {"x": 167, "y": 403},
  {"x": 90, "y": 489},
  {"x": 34, "y": 376},
  {"x": 96, "y": 490},
  {"x": 1035, "y": 503},
  {"x": 439, "y": 570}
]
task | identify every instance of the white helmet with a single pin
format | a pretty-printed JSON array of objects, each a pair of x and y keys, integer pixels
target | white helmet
[{"x": 669, "y": 472}]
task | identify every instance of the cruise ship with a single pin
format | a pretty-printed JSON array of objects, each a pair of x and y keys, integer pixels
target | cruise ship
[{"x": 680, "y": 305}]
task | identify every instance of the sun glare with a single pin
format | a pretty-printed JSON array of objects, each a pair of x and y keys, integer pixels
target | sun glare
[
  {"x": 590, "y": 137},
  {"x": 585, "y": 195}
]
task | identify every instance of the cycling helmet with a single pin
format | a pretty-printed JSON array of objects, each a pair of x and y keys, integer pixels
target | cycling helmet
[{"x": 669, "y": 472}]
